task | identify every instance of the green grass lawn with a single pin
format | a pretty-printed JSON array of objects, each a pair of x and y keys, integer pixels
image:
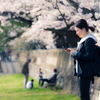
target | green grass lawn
[{"x": 11, "y": 88}]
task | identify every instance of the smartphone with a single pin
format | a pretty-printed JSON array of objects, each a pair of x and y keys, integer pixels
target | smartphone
[{"x": 66, "y": 48}]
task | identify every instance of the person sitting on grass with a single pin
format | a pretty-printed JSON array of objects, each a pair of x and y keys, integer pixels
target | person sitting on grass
[
  {"x": 30, "y": 84},
  {"x": 50, "y": 80}
]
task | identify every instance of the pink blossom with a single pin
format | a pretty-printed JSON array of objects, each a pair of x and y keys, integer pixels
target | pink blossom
[{"x": 79, "y": 10}]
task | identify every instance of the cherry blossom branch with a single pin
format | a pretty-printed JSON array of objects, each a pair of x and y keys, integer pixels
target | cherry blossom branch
[
  {"x": 76, "y": 6},
  {"x": 61, "y": 13},
  {"x": 28, "y": 21}
]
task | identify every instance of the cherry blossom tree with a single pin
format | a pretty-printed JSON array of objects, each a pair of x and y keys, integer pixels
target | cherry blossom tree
[{"x": 36, "y": 19}]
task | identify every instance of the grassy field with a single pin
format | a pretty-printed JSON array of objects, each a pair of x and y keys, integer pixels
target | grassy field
[{"x": 11, "y": 88}]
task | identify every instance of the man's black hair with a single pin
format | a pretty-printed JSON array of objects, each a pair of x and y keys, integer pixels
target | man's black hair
[
  {"x": 32, "y": 80},
  {"x": 29, "y": 60}
]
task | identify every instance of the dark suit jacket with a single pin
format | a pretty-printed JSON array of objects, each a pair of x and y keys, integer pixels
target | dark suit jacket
[{"x": 85, "y": 57}]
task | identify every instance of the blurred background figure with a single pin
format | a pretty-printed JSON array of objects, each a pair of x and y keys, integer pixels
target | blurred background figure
[
  {"x": 40, "y": 76},
  {"x": 25, "y": 71},
  {"x": 30, "y": 84}
]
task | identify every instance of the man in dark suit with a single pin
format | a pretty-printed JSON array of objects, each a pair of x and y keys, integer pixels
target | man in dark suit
[
  {"x": 25, "y": 71},
  {"x": 50, "y": 80}
]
